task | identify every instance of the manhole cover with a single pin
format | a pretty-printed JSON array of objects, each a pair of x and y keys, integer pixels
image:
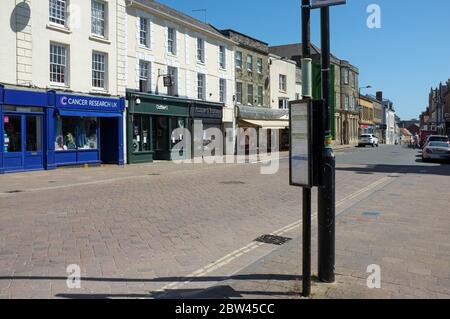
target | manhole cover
[
  {"x": 371, "y": 214},
  {"x": 233, "y": 183},
  {"x": 273, "y": 240}
]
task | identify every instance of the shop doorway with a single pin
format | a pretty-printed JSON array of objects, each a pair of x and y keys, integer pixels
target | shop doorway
[
  {"x": 109, "y": 140},
  {"x": 23, "y": 142}
]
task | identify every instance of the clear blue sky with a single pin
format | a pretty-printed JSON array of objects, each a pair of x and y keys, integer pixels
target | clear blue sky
[{"x": 404, "y": 59}]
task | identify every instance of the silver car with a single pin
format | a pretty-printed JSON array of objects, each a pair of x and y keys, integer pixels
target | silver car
[{"x": 436, "y": 151}]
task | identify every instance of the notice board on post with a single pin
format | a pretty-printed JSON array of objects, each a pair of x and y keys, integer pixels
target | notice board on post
[{"x": 300, "y": 159}]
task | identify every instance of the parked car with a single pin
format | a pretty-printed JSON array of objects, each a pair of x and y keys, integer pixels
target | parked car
[
  {"x": 368, "y": 139},
  {"x": 436, "y": 138},
  {"x": 424, "y": 136},
  {"x": 438, "y": 150}
]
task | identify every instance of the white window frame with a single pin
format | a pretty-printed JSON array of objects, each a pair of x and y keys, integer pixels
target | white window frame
[
  {"x": 260, "y": 97},
  {"x": 144, "y": 35},
  {"x": 64, "y": 64},
  {"x": 60, "y": 10},
  {"x": 222, "y": 57},
  {"x": 100, "y": 71},
  {"x": 201, "y": 89},
  {"x": 173, "y": 41},
  {"x": 249, "y": 63},
  {"x": 241, "y": 93},
  {"x": 250, "y": 101},
  {"x": 282, "y": 83},
  {"x": 346, "y": 102},
  {"x": 222, "y": 90},
  {"x": 201, "y": 51},
  {"x": 346, "y": 76},
  {"x": 173, "y": 91},
  {"x": 259, "y": 65},
  {"x": 238, "y": 65},
  {"x": 285, "y": 103},
  {"x": 143, "y": 77},
  {"x": 102, "y": 20}
]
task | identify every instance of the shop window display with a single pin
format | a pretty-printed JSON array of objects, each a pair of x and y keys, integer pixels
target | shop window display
[
  {"x": 141, "y": 133},
  {"x": 76, "y": 133}
]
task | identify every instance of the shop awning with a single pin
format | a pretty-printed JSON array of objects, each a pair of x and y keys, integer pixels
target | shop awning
[
  {"x": 267, "y": 124},
  {"x": 87, "y": 113}
]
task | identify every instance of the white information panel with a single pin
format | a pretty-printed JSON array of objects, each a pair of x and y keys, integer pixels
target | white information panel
[{"x": 300, "y": 166}]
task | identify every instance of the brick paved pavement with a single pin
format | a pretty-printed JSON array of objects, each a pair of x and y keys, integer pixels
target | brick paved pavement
[
  {"x": 139, "y": 229},
  {"x": 402, "y": 226}
]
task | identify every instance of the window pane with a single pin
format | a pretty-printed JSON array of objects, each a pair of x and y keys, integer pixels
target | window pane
[
  {"x": 57, "y": 11},
  {"x": 98, "y": 70},
  {"x": 72, "y": 133},
  {"x": 13, "y": 134},
  {"x": 239, "y": 92},
  {"x": 87, "y": 133},
  {"x": 58, "y": 57},
  {"x": 222, "y": 90},
  {"x": 143, "y": 32},
  {"x": 98, "y": 18},
  {"x": 34, "y": 133}
]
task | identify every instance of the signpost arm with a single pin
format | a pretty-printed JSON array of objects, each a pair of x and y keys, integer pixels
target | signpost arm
[
  {"x": 306, "y": 233},
  {"x": 326, "y": 194}
]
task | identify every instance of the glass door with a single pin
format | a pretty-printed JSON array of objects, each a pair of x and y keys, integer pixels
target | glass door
[
  {"x": 23, "y": 142},
  {"x": 12, "y": 142},
  {"x": 33, "y": 157}
]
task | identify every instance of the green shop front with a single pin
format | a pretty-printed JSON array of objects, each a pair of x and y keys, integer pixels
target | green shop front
[{"x": 151, "y": 119}]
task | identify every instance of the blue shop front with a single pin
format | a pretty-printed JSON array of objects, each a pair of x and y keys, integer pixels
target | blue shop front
[{"x": 50, "y": 129}]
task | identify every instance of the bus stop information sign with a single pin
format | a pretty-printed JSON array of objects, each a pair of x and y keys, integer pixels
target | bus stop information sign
[
  {"x": 301, "y": 146},
  {"x": 326, "y": 3}
]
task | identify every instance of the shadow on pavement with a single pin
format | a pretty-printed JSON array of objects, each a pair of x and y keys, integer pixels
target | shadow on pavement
[
  {"x": 440, "y": 168},
  {"x": 215, "y": 292}
]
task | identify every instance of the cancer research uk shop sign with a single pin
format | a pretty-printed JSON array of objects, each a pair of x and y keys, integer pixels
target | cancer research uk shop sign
[
  {"x": 326, "y": 3},
  {"x": 91, "y": 103}
]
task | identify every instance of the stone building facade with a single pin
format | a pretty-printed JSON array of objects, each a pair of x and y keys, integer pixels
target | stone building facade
[{"x": 251, "y": 61}]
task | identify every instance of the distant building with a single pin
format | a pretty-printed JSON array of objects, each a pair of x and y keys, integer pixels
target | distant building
[{"x": 344, "y": 85}]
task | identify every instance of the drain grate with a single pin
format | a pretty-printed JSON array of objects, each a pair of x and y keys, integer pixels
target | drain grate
[
  {"x": 233, "y": 183},
  {"x": 154, "y": 174},
  {"x": 14, "y": 192},
  {"x": 371, "y": 214},
  {"x": 273, "y": 240}
]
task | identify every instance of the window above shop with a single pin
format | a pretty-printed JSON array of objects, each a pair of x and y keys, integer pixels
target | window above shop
[
  {"x": 58, "y": 12},
  {"x": 98, "y": 18}
]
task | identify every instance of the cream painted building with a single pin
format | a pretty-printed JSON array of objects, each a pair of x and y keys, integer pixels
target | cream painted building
[
  {"x": 68, "y": 35},
  {"x": 283, "y": 82},
  {"x": 200, "y": 61},
  {"x": 62, "y": 83}
]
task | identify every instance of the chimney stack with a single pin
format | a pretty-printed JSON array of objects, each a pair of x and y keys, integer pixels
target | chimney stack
[{"x": 380, "y": 96}]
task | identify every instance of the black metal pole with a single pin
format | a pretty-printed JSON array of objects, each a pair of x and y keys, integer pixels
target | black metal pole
[
  {"x": 306, "y": 233},
  {"x": 326, "y": 196}
]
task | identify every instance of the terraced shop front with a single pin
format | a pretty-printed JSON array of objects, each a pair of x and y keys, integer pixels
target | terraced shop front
[{"x": 151, "y": 119}]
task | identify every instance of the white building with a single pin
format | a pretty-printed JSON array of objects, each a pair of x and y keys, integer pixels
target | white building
[
  {"x": 63, "y": 71},
  {"x": 67, "y": 37},
  {"x": 283, "y": 82},
  {"x": 391, "y": 135},
  {"x": 163, "y": 41}
]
